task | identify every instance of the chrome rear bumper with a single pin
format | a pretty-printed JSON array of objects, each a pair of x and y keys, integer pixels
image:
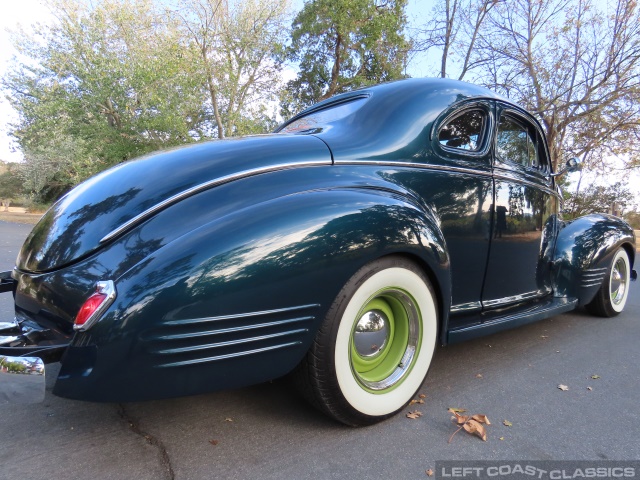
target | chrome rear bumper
[{"x": 22, "y": 380}]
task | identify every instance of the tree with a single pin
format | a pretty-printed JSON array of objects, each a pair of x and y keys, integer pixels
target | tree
[
  {"x": 455, "y": 27},
  {"x": 340, "y": 45},
  {"x": 633, "y": 219},
  {"x": 101, "y": 85},
  {"x": 614, "y": 199},
  {"x": 576, "y": 65},
  {"x": 236, "y": 49},
  {"x": 10, "y": 186}
]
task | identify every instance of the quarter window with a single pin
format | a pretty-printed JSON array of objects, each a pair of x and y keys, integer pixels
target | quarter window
[
  {"x": 464, "y": 131},
  {"x": 516, "y": 142}
]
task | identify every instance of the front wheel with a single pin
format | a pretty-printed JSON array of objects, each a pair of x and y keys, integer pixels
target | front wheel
[
  {"x": 375, "y": 346},
  {"x": 612, "y": 296}
]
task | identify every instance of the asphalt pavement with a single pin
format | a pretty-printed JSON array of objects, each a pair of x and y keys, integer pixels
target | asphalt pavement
[{"x": 267, "y": 432}]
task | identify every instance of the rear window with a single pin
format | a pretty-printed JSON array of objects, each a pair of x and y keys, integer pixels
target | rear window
[{"x": 324, "y": 116}]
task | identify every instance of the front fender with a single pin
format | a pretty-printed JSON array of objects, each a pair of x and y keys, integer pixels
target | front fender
[
  {"x": 584, "y": 251},
  {"x": 238, "y": 300}
]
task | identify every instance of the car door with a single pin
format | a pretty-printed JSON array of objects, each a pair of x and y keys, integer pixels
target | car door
[
  {"x": 462, "y": 196},
  {"x": 523, "y": 213}
]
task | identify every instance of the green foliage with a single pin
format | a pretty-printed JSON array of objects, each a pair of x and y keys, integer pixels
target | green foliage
[
  {"x": 341, "y": 45},
  {"x": 633, "y": 219},
  {"x": 116, "y": 79},
  {"x": 100, "y": 86},
  {"x": 235, "y": 49},
  {"x": 613, "y": 199},
  {"x": 10, "y": 185}
]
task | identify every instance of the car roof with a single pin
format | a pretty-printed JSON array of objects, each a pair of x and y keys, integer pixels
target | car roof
[{"x": 394, "y": 119}]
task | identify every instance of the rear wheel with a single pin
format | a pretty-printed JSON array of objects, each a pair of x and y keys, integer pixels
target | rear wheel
[
  {"x": 375, "y": 346},
  {"x": 612, "y": 296}
]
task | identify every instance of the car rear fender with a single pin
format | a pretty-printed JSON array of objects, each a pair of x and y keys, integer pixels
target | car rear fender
[
  {"x": 584, "y": 251},
  {"x": 238, "y": 300}
]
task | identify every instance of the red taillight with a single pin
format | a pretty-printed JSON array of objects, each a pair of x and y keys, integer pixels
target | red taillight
[
  {"x": 95, "y": 305},
  {"x": 90, "y": 306}
]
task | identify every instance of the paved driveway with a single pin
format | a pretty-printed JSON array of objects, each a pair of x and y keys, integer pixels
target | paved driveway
[{"x": 267, "y": 432}]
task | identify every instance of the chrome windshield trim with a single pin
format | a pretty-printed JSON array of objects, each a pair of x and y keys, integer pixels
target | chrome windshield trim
[
  {"x": 200, "y": 188},
  {"x": 443, "y": 168}
]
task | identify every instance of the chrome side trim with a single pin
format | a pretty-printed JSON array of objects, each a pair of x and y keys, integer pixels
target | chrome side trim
[
  {"x": 423, "y": 166},
  {"x": 200, "y": 188},
  {"x": 230, "y": 355},
  {"x": 195, "y": 348},
  {"x": 192, "y": 321},
  {"x": 593, "y": 277},
  {"x": 22, "y": 380},
  {"x": 466, "y": 308},
  {"x": 526, "y": 182},
  {"x": 514, "y": 299},
  {"x": 180, "y": 336}
]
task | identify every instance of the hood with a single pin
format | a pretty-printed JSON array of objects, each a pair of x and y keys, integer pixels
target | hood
[{"x": 74, "y": 227}]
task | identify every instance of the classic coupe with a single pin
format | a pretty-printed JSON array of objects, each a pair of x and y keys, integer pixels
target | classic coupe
[{"x": 340, "y": 249}]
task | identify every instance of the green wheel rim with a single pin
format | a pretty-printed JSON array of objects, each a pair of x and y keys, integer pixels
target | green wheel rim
[{"x": 386, "y": 368}]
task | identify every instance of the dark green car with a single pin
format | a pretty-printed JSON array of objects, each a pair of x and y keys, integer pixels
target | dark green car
[{"x": 340, "y": 249}]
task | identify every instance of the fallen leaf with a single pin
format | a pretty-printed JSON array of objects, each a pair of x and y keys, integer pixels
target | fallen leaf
[
  {"x": 422, "y": 395},
  {"x": 472, "y": 424},
  {"x": 507, "y": 423},
  {"x": 481, "y": 419},
  {"x": 429, "y": 473},
  {"x": 228, "y": 419},
  {"x": 564, "y": 388},
  {"x": 544, "y": 336},
  {"x": 474, "y": 427},
  {"x": 595, "y": 377},
  {"x": 589, "y": 388},
  {"x": 459, "y": 419},
  {"x": 213, "y": 442},
  {"x": 415, "y": 414},
  {"x": 479, "y": 375},
  {"x": 501, "y": 438}
]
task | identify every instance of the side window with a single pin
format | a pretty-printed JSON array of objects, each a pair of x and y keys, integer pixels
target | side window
[
  {"x": 516, "y": 142},
  {"x": 464, "y": 131}
]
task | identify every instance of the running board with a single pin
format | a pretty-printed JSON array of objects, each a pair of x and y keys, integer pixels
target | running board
[{"x": 554, "y": 306}]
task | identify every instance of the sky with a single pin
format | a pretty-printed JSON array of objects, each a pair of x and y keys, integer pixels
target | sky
[{"x": 22, "y": 12}]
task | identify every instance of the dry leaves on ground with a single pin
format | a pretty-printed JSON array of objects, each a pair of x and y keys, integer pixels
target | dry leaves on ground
[
  {"x": 415, "y": 414},
  {"x": 429, "y": 473},
  {"x": 507, "y": 423},
  {"x": 564, "y": 388},
  {"x": 472, "y": 424}
]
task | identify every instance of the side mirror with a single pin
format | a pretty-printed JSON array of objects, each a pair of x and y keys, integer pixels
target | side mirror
[{"x": 572, "y": 165}]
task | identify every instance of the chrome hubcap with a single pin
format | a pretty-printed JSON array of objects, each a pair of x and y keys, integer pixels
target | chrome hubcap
[
  {"x": 385, "y": 339},
  {"x": 618, "y": 283},
  {"x": 371, "y": 334}
]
